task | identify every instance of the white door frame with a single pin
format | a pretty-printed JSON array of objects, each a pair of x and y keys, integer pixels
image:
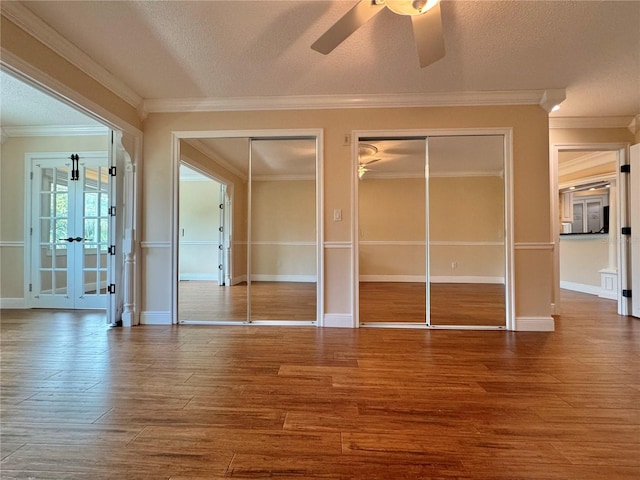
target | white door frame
[
  {"x": 622, "y": 217},
  {"x": 507, "y": 134},
  {"x": 318, "y": 134}
]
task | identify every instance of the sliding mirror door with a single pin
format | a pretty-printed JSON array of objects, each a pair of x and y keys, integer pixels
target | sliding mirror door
[
  {"x": 212, "y": 255},
  {"x": 392, "y": 234},
  {"x": 282, "y": 235},
  {"x": 467, "y": 231}
]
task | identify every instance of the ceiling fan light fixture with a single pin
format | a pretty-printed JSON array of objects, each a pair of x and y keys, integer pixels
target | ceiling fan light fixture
[
  {"x": 361, "y": 171},
  {"x": 410, "y": 7}
]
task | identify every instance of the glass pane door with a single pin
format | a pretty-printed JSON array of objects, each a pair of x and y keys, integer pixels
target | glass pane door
[
  {"x": 51, "y": 250},
  {"x": 92, "y": 226},
  {"x": 70, "y": 221}
]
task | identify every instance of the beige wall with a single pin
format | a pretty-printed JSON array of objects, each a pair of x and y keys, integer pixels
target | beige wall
[
  {"x": 199, "y": 235},
  {"x": 12, "y": 198},
  {"x": 582, "y": 257},
  {"x": 531, "y": 186},
  {"x": 466, "y": 221},
  {"x": 283, "y": 230}
]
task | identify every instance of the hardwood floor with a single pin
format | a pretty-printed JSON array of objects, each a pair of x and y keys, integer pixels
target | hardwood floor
[{"x": 82, "y": 401}]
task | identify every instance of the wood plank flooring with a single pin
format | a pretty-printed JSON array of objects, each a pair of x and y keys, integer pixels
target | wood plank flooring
[{"x": 82, "y": 401}]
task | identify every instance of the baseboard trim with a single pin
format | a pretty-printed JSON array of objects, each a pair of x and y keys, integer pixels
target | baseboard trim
[
  {"x": 581, "y": 287},
  {"x": 155, "y": 317},
  {"x": 259, "y": 277},
  {"x": 198, "y": 277},
  {"x": 13, "y": 303},
  {"x": 434, "y": 279},
  {"x": 535, "y": 324},
  {"x": 238, "y": 279},
  {"x": 338, "y": 320}
]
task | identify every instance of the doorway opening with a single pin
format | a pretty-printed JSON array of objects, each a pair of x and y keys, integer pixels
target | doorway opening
[
  {"x": 591, "y": 205},
  {"x": 434, "y": 230}
]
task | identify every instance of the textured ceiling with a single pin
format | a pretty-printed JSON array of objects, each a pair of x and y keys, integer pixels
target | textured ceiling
[
  {"x": 182, "y": 49},
  {"x": 23, "y": 105}
]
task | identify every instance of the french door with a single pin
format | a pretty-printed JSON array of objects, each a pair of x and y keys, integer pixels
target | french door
[{"x": 70, "y": 231}]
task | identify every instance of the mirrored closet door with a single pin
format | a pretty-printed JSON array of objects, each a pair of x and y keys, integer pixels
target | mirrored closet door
[{"x": 259, "y": 212}]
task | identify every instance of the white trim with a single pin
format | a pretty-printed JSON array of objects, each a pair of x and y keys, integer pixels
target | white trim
[
  {"x": 149, "y": 317},
  {"x": 56, "y": 131},
  {"x": 13, "y": 303},
  {"x": 581, "y": 287},
  {"x": 11, "y": 243},
  {"x": 424, "y": 326},
  {"x": 314, "y": 102},
  {"x": 449, "y": 174},
  {"x": 283, "y": 244},
  {"x": 535, "y": 324},
  {"x": 591, "y": 122},
  {"x": 283, "y": 178},
  {"x": 467, "y": 279},
  {"x": 392, "y": 278},
  {"x": 337, "y": 245},
  {"x": 199, "y": 242},
  {"x": 155, "y": 244},
  {"x": 37, "y": 28},
  {"x": 198, "y": 277},
  {"x": 263, "y": 277},
  {"x": 433, "y": 243},
  {"x": 583, "y": 162},
  {"x": 534, "y": 246},
  {"x": 634, "y": 125},
  {"x": 338, "y": 320},
  {"x": 433, "y": 279}
]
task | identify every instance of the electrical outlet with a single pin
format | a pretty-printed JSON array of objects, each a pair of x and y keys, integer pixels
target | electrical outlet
[
  {"x": 337, "y": 214},
  {"x": 454, "y": 265}
]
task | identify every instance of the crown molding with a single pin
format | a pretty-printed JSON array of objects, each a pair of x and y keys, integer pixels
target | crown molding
[
  {"x": 634, "y": 125},
  {"x": 318, "y": 102},
  {"x": 586, "y": 161},
  {"x": 591, "y": 122},
  {"x": 208, "y": 152},
  {"x": 24, "y": 18},
  {"x": 55, "y": 131}
]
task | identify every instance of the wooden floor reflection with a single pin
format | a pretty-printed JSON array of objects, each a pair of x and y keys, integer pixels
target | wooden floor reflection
[
  {"x": 464, "y": 304},
  {"x": 207, "y": 301}
]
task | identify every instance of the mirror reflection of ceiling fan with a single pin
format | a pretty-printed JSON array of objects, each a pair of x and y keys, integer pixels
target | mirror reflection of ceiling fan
[
  {"x": 365, "y": 151},
  {"x": 425, "y": 18}
]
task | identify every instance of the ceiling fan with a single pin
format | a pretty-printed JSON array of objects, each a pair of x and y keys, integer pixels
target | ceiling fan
[
  {"x": 425, "y": 18},
  {"x": 366, "y": 150}
]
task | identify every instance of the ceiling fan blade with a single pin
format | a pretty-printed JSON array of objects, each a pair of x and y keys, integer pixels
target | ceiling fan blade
[
  {"x": 427, "y": 31},
  {"x": 349, "y": 23},
  {"x": 372, "y": 161}
]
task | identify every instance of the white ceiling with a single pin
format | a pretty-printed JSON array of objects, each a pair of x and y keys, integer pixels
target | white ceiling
[
  {"x": 25, "y": 106},
  {"x": 222, "y": 49}
]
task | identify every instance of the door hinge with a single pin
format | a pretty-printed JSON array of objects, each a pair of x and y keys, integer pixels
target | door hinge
[
  {"x": 112, "y": 171},
  {"x": 625, "y": 168},
  {"x": 111, "y": 288},
  {"x": 30, "y": 175},
  {"x": 626, "y": 293},
  {"x": 111, "y": 250},
  {"x": 30, "y": 287},
  {"x": 112, "y": 211},
  {"x": 112, "y": 136},
  {"x": 625, "y": 230},
  {"x": 31, "y": 231}
]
